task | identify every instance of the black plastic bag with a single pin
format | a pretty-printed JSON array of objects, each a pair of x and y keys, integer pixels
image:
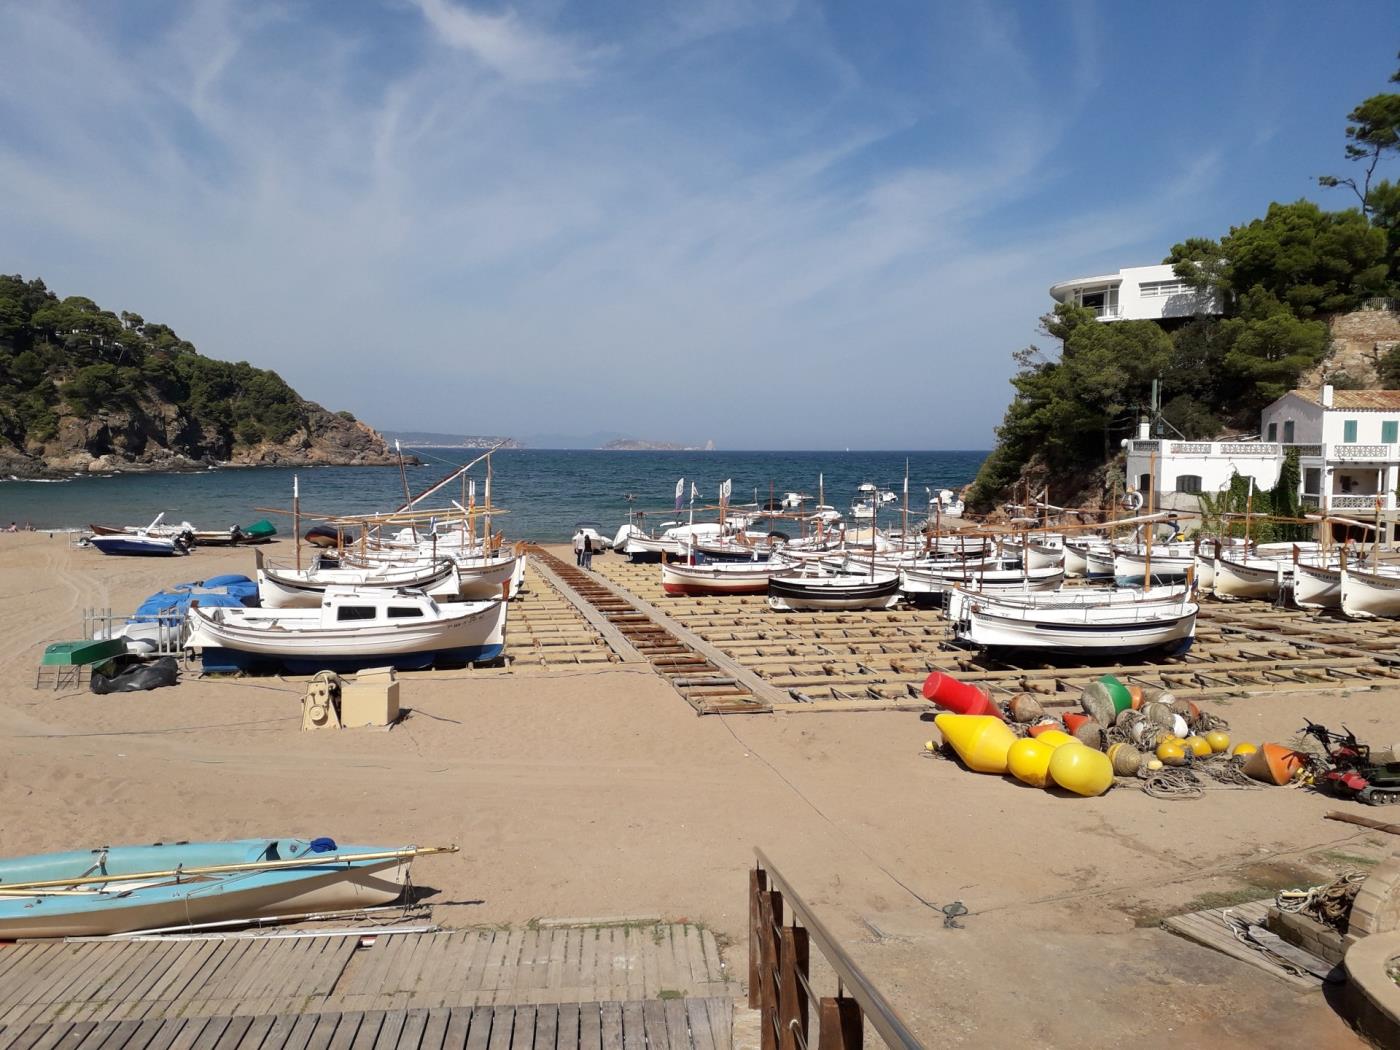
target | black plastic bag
[{"x": 137, "y": 677}]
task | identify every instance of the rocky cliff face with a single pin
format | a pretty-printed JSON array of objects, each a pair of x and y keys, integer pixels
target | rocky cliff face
[
  {"x": 1359, "y": 340},
  {"x": 158, "y": 436}
]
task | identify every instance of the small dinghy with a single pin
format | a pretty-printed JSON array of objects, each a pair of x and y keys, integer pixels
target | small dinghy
[
  {"x": 353, "y": 628},
  {"x": 123, "y": 889},
  {"x": 833, "y": 592}
]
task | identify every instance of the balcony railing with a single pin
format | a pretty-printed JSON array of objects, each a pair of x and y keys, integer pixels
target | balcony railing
[
  {"x": 1362, "y": 501},
  {"x": 1339, "y": 453}
]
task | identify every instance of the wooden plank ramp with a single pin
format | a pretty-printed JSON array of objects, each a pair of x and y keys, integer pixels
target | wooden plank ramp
[
  {"x": 1208, "y": 928},
  {"x": 673, "y": 1024}
]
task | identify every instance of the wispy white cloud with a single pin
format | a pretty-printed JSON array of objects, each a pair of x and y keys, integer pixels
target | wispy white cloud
[
  {"x": 434, "y": 240},
  {"x": 503, "y": 42}
]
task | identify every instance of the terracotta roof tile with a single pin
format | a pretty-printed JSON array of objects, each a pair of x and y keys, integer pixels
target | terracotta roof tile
[{"x": 1361, "y": 400}]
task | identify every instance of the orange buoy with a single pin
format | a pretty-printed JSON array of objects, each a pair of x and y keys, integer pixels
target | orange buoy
[
  {"x": 1075, "y": 719},
  {"x": 1082, "y": 770},
  {"x": 960, "y": 698},
  {"x": 1274, "y": 764},
  {"x": 1135, "y": 696},
  {"x": 981, "y": 741},
  {"x": 1029, "y": 761}
]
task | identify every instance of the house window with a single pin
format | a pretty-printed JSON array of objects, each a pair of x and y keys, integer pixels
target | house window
[
  {"x": 355, "y": 612},
  {"x": 1288, "y": 431},
  {"x": 1389, "y": 432},
  {"x": 1144, "y": 483},
  {"x": 1273, "y": 432},
  {"x": 1312, "y": 481},
  {"x": 1349, "y": 431},
  {"x": 1190, "y": 483}
]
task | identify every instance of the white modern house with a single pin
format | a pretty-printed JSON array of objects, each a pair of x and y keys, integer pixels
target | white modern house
[
  {"x": 1348, "y": 444},
  {"x": 1137, "y": 293}
]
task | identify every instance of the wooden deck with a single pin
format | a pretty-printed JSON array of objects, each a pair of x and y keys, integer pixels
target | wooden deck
[
  {"x": 1208, "y": 928},
  {"x": 52, "y": 985},
  {"x": 671, "y": 1024}
]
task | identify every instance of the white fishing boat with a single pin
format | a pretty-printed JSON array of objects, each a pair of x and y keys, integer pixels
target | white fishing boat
[
  {"x": 1370, "y": 593},
  {"x": 1076, "y": 558},
  {"x": 734, "y": 577},
  {"x": 1170, "y": 563},
  {"x": 1036, "y": 554},
  {"x": 933, "y": 582},
  {"x": 870, "y": 500},
  {"x": 153, "y": 540},
  {"x": 1098, "y": 562},
  {"x": 479, "y": 576},
  {"x": 352, "y": 629},
  {"x": 280, "y": 587},
  {"x": 1091, "y": 623},
  {"x": 1317, "y": 586},
  {"x": 827, "y": 592},
  {"x": 1239, "y": 576}
]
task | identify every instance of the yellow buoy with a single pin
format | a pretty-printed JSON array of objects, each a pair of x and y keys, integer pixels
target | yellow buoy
[
  {"x": 1057, "y": 737},
  {"x": 1082, "y": 770},
  {"x": 1199, "y": 746},
  {"x": 1154, "y": 764},
  {"x": 981, "y": 741},
  {"x": 1219, "y": 740},
  {"x": 1029, "y": 761},
  {"x": 1171, "y": 752},
  {"x": 929, "y": 746},
  {"x": 1244, "y": 749}
]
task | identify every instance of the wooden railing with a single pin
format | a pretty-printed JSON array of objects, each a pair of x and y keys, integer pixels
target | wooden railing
[{"x": 780, "y": 983}]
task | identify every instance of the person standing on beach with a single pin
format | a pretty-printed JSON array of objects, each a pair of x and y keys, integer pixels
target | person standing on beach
[
  {"x": 578, "y": 548},
  {"x": 587, "y": 551}
]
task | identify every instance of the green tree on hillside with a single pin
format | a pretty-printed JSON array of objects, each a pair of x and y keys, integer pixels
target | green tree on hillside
[{"x": 1373, "y": 133}]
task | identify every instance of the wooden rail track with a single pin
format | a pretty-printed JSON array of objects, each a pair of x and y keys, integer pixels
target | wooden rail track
[{"x": 864, "y": 660}]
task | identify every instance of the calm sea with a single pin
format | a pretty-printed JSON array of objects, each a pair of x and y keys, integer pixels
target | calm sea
[{"x": 545, "y": 491}]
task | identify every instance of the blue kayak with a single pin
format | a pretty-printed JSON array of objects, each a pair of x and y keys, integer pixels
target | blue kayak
[{"x": 121, "y": 889}]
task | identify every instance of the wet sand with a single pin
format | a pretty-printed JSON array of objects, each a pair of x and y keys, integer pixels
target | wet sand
[{"x": 596, "y": 791}]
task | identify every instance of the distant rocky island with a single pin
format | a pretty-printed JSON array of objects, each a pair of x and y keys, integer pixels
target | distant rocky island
[
  {"x": 85, "y": 390},
  {"x": 634, "y": 445},
  {"x": 428, "y": 439}
]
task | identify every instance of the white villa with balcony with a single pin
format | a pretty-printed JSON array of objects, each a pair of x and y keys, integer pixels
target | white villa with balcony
[
  {"x": 1137, "y": 293},
  {"x": 1348, "y": 444}
]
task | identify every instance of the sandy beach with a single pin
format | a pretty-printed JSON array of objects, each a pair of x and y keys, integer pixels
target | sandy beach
[{"x": 596, "y": 791}]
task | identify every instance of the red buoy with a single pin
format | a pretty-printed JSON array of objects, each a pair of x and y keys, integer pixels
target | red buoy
[{"x": 958, "y": 697}]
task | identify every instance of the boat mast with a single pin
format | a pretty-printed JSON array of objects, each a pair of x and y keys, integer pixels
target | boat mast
[
  {"x": 904, "y": 526},
  {"x": 296, "y": 516},
  {"x": 408, "y": 498},
  {"x": 1147, "y": 565}
]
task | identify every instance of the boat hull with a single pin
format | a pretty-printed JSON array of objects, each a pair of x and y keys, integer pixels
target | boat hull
[
  {"x": 1366, "y": 595},
  {"x": 695, "y": 580},
  {"x": 843, "y": 594},
  {"x": 1315, "y": 587},
  {"x": 228, "y": 643},
  {"x": 1236, "y": 580},
  {"x": 138, "y": 546},
  {"x": 322, "y": 884}
]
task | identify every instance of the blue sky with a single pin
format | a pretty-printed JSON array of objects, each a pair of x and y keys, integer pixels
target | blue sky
[{"x": 775, "y": 224}]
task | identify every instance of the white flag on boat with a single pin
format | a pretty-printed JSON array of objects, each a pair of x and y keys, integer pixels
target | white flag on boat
[
  {"x": 694, "y": 492},
  {"x": 471, "y": 493},
  {"x": 680, "y": 492},
  {"x": 726, "y": 488}
]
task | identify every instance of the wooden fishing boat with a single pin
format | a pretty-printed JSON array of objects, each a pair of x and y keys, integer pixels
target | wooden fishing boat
[
  {"x": 1098, "y": 562},
  {"x": 287, "y": 588},
  {"x": 1368, "y": 594},
  {"x": 732, "y": 577},
  {"x": 937, "y": 581},
  {"x": 1035, "y": 555},
  {"x": 1317, "y": 586},
  {"x": 804, "y": 592},
  {"x": 122, "y": 889},
  {"x": 1238, "y": 576},
  {"x": 352, "y": 629},
  {"x": 1103, "y": 623},
  {"x": 1076, "y": 558},
  {"x": 1170, "y": 564},
  {"x": 479, "y": 576}
]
